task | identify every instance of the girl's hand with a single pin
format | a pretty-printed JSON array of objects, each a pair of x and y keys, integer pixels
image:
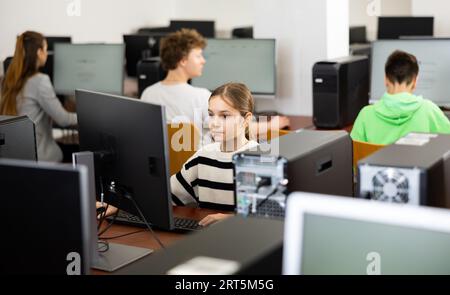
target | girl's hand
[
  {"x": 110, "y": 211},
  {"x": 212, "y": 218}
]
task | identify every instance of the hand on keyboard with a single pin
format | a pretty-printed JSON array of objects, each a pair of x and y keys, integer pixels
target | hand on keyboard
[
  {"x": 111, "y": 210},
  {"x": 212, "y": 218}
]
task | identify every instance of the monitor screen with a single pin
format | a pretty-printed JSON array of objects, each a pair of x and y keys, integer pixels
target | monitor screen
[
  {"x": 249, "y": 61},
  {"x": 395, "y": 27},
  {"x": 205, "y": 28},
  {"x": 358, "y": 35},
  {"x": 326, "y": 234},
  {"x": 130, "y": 136},
  {"x": 96, "y": 67},
  {"x": 44, "y": 219},
  {"x": 139, "y": 47},
  {"x": 434, "y": 67},
  {"x": 347, "y": 246},
  {"x": 52, "y": 40}
]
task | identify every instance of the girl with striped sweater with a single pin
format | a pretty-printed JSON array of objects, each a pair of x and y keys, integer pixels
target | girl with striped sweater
[{"x": 206, "y": 179}]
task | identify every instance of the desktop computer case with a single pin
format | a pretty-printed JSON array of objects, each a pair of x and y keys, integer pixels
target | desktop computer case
[
  {"x": 415, "y": 170},
  {"x": 306, "y": 160},
  {"x": 340, "y": 91}
]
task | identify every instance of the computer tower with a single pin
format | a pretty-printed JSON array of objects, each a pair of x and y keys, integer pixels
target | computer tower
[
  {"x": 17, "y": 138},
  {"x": 149, "y": 72},
  {"x": 415, "y": 170},
  {"x": 304, "y": 160},
  {"x": 340, "y": 91}
]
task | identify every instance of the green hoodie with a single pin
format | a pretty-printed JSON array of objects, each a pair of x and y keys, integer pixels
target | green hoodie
[{"x": 396, "y": 115}]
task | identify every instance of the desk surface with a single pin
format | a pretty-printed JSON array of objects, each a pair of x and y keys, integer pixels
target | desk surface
[{"x": 145, "y": 240}]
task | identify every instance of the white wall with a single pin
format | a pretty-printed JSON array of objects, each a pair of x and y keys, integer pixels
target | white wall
[
  {"x": 440, "y": 9},
  {"x": 306, "y": 31},
  {"x": 227, "y": 14},
  {"x": 100, "y": 20},
  {"x": 364, "y": 12},
  {"x": 106, "y": 21}
]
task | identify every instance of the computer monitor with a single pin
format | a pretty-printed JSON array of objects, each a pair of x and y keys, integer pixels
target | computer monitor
[
  {"x": 41, "y": 205},
  {"x": 358, "y": 35},
  {"x": 394, "y": 27},
  {"x": 140, "y": 47},
  {"x": 249, "y": 61},
  {"x": 52, "y": 40},
  {"x": 332, "y": 235},
  {"x": 434, "y": 67},
  {"x": 97, "y": 67},
  {"x": 129, "y": 139},
  {"x": 46, "y": 69},
  {"x": 17, "y": 138},
  {"x": 204, "y": 27}
]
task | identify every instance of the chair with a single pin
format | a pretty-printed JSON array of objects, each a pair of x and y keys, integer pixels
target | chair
[
  {"x": 184, "y": 139},
  {"x": 271, "y": 134},
  {"x": 362, "y": 150}
]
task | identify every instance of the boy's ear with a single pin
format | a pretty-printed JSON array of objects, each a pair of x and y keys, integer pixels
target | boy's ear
[
  {"x": 414, "y": 83},
  {"x": 183, "y": 62}
]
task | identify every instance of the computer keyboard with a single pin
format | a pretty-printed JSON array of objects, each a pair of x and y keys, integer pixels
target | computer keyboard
[{"x": 184, "y": 224}]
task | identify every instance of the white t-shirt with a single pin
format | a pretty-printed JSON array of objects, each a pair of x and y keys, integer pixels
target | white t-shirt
[{"x": 183, "y": 102}]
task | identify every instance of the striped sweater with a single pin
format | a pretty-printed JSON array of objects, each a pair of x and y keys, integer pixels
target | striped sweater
[{"x": 206, "y": 179}]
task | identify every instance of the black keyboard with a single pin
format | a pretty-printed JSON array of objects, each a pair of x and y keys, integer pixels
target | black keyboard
[{"x": 183, "y": 224}]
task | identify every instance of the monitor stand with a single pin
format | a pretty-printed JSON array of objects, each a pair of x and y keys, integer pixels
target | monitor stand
[{"x": 116, "y": 256}]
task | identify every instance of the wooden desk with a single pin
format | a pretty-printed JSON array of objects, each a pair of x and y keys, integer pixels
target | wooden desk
[
  {"x": 144, "y": 238},
  {"x": 306, "y": 122}
]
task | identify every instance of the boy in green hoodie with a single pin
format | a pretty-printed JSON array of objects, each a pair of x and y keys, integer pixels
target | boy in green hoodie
[{"x": 399, "y": 111}]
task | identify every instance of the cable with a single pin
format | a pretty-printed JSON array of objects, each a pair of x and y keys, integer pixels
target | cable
[
  {"x": 267, "y": 197},
  {"x": 146, "y": 223},
  {"x": 104, "y": 246},
  {"x": 109, "y": 224}
]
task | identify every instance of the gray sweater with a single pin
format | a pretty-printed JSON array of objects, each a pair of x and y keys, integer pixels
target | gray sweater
[{"x": 38, "y": 101}]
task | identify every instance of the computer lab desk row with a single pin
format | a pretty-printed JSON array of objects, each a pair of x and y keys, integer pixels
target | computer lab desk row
[{"x": 255, "y": 243}]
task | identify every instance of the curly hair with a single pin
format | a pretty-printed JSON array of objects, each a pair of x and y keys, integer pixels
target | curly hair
[{"x": 177, "y": 46}]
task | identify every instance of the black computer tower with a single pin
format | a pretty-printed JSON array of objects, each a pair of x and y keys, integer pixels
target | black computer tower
[
  {"x": 304, "y": 160},
  {"x": 415, "y": 170},
  {"x": 17, "y": 138},
  {"x": 149, "y": 72},
  {"x": 340, "y": 91}
]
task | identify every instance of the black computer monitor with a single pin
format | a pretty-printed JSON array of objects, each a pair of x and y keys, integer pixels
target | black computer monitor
[
  {"x": 140, "y": 47},
  {"x": 151, "y": 30},
  {"x": 129, "y": 139},
  {"x": 242, "y": 32},
  {"x": 395, "y": 27},
  {"x": 52, "y": 40},
  {"x": 205, "y": 28},
  {"x": 41, "y": 205},
  {"x": 358, "y": 35},
  {"x": 17, "y": 138}
]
